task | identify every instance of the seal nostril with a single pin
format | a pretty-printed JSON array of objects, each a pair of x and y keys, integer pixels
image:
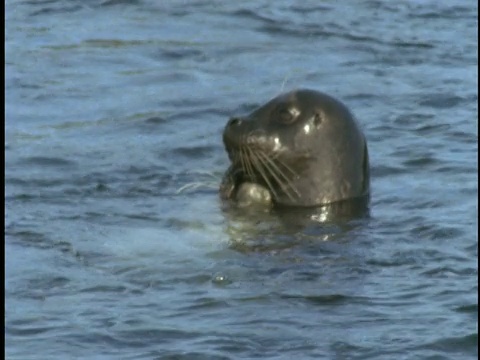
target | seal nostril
[{"x": 234, "y": 122}]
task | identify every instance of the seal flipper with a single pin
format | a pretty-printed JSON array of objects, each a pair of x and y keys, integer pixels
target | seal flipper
[{"x": 253, "y": 195}]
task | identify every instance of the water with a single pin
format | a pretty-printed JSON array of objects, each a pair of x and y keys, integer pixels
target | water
[{"x": 113, "y": 106}]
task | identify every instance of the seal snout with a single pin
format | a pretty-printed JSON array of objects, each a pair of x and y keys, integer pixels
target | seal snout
[
  {"x": 238, "y": 132},
  {"x": 257, "y": 138},
  {"x": 232, "y": 133}
]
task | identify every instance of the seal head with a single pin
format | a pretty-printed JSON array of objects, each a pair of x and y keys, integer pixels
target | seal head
[{"x": 304, "y": 147}]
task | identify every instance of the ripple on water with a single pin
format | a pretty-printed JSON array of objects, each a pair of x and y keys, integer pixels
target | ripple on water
[{"x": 440, "y": 101}]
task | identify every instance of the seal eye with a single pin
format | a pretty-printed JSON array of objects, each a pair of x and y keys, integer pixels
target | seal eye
[{"x": 286, "y": 115}]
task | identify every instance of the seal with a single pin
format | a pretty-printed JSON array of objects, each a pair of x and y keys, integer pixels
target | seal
[{"x": 302, "y": 149}]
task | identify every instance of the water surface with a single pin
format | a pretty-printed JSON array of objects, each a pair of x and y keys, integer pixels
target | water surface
[{"x": 113, "y": 106}]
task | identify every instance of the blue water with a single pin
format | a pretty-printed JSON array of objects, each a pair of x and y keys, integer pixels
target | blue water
[{"x": 113, "y": 107}]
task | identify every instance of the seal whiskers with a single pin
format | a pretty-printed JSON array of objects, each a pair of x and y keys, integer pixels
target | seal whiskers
[
  {"x": 239, "y": 157},
  {"x": 284, "y": 164},
  {"x": 259, "y": 166},
  {"x": 248, "y": 163},
  {"x": 277, "y": 174},
  {"x": 195, "y": 185}
]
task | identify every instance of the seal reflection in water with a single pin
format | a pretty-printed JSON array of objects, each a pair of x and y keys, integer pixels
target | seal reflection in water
[{"x": 302, "y": 149}]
